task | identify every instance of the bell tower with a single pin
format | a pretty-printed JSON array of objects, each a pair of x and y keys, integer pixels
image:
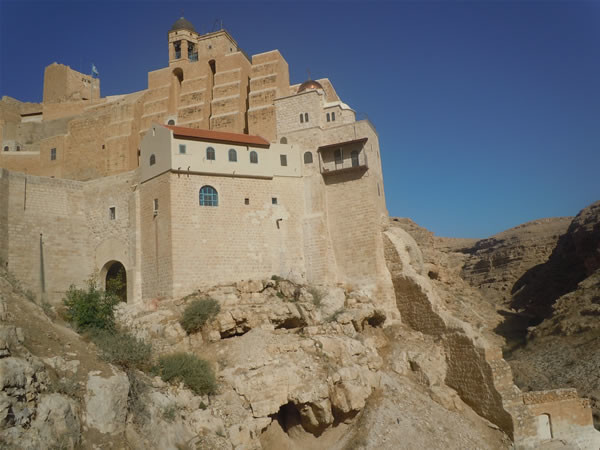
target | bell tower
[{"x": 183, "y": 42}]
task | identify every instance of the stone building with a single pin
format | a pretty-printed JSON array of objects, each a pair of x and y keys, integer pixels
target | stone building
[
  {"x": 220, "y": 171},
  {"x": 294, "y": 180}
]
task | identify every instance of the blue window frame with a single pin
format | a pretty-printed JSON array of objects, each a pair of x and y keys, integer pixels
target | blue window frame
[
  {"x": 232, "y": 155},
  {"x": 210, "y": 153},
  {"x": 253, "y": 157},
  {"x": 209, "y": 196}
]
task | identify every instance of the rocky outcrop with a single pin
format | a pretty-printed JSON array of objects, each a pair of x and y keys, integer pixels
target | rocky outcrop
[
  {"x": 575, "y": 257},
  {"x": 496, "y": 263}
]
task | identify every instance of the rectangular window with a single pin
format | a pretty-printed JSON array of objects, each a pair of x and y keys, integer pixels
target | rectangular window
[
  {"x": 328, "y": 117},
  {"x": 333, "y": 117},
  {"x": 182, "y": 149},
  {"x": 112, "y": 213},
  {"x": 283, "y": 159},
  {"x": 246, "y": 201},
  {"x": 301, "y": 118},
  {"x": 52, "y": 154},
  {"x": 155, "y": 206},
  {"x": 306, "y": 117},
  {"x": 274, "y": 200},
  {"x": 338, "y": 156}
]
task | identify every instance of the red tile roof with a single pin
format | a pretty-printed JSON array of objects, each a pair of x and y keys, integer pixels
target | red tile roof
[{"x": 218, "y": 136}]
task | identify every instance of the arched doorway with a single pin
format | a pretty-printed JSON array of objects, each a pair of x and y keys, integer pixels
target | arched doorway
[{"x": 116, "y": 279}]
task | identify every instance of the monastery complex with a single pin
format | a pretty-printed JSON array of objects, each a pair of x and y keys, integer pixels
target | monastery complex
[{"x": 219, "y": 171}]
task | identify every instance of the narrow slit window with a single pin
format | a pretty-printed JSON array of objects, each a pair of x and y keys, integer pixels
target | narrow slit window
[
  {"x": 333, "y": 116},
  {"x": 112, "y": 213},
  {"x": 301, "y": 118},
  {"x": 328, "y": 118},
  {"x": 155, "y": 206},
  {"x": 52, "y": 154},
  {"x": 306, "y": 117}
]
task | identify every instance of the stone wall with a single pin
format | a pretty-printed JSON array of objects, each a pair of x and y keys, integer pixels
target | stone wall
[
  {"x": 56, "y": 232},
  {"x": 235, "y": 240},
  {"x": 61, "y": 83}
]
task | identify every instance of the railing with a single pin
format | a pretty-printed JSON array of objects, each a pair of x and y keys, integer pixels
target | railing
[{"x": 349, "y": 162}]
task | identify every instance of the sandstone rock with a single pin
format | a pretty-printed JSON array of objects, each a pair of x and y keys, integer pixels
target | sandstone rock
[
  {"x": 248, "y": 286},
  {"x": 58, "y": 363},
  {"x": 106, "y": 402},
  {"x": 333, "y": 300},
  {"x": 57, "y": 422}
]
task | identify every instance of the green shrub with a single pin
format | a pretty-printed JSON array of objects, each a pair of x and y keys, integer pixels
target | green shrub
[
  {"x": 197, "y": 313},
  {"x": 122, "y": 349},
  {"x": 90, "y": 308},
  {"x": 195, "y": 373}
]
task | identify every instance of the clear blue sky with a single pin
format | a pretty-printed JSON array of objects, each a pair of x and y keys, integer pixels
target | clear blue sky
[{"x": 488, "y": 113}]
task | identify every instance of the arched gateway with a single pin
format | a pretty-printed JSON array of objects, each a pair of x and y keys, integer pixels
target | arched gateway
[{"x": 114, "y": 277}]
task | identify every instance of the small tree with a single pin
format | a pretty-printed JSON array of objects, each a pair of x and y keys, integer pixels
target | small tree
[
  {"x": 90, "y": 308},
  {"x": 197, "y": 313}
]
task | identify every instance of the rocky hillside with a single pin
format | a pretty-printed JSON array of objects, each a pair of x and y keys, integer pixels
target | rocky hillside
[
  {"x": 297, "y": 367},
  {"x": 543, "y": 278}
]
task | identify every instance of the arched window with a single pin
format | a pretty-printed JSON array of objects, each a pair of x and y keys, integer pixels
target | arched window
[
  {"x": 152, "y": 159},
  {"x": 210, "y": 153},
  {"x": 171, "y": 122},
  {"x": 253, "y": 157},
  {"x": 232, "y": 155},
  {"x": 6, "y": 148},
  {"x": 209, "y": 196},
  {"x": 354, "y": 156},
  {"x": 308, "y": 158},
  {"x": 283, "y": 140}
]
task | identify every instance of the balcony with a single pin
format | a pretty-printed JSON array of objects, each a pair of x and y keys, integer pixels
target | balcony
[{"x": 343, "y": 157}]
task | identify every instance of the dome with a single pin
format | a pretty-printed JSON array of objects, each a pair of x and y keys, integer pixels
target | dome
[
  {"x": 183, "y": 24},
  {"x": 310, "y": 84}
]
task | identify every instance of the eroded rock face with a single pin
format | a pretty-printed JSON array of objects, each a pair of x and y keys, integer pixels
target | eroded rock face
[
  {"x": 106, "y": 402},
  {"x": 324, "y": 377}
]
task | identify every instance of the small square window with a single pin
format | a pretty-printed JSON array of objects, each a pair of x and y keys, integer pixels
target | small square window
[
  {"x": 182, "y": 149},
  {"x": 52, "y": 154},
  {"x": 112, "y": 213},
  {"x": 283, "y": 159},
  {"x": 273, "y": 200},
  {"x": 246, "y": 201}
]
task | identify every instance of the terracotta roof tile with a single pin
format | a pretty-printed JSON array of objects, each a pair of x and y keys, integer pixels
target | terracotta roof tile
[{"x": 218, "y": 136}]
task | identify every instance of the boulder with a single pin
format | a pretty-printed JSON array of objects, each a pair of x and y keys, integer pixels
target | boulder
[{"x": 106, "y": 402}]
